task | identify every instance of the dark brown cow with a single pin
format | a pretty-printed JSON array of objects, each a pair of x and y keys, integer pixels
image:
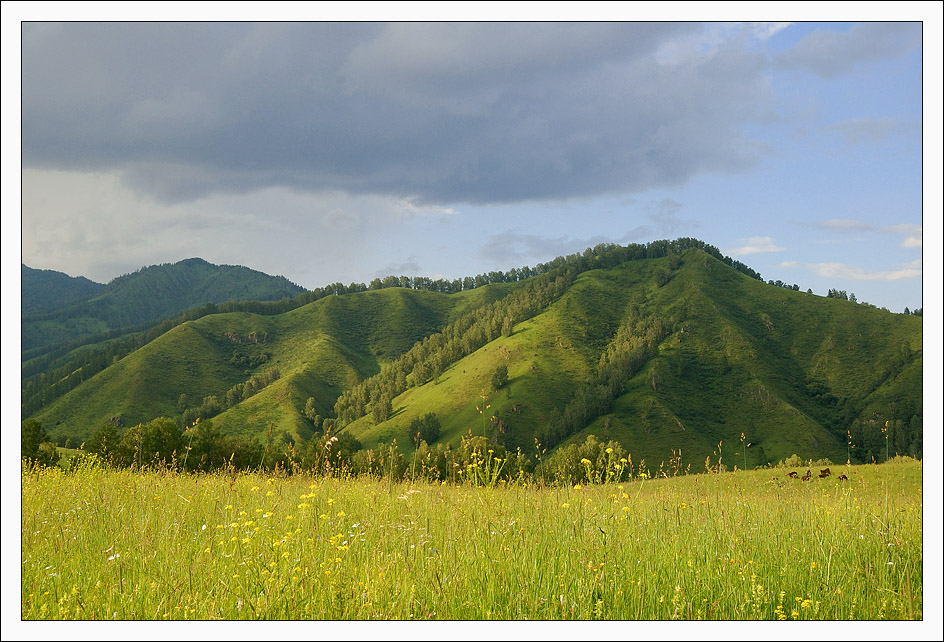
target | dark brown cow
[{"x": 824, "y": 473}]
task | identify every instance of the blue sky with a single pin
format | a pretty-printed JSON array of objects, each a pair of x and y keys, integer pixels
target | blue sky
[{"x": 331, "y": 152}]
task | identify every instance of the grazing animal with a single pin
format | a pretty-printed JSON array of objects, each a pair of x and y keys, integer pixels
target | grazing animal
[
  {"x": 793, "y": 474},
  {"x": 824, "y": 473},
  {"x": 843, "y": 477},
  {"x": 806, "y": 477}
]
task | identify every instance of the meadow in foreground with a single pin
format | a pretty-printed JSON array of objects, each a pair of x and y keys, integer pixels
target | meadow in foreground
[{"x": 119, "y": 544}]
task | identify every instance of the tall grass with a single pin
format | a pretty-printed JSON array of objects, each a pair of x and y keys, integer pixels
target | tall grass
[{"x": 117, "y": 544}]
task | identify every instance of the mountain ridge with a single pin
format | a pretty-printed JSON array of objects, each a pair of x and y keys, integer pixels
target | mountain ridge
[
  {"x": 145, "y": 296},
  {"x": 673, "y": 350}
]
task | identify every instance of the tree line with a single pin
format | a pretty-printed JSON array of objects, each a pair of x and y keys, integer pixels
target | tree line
[{"x": 162, "y": 444}]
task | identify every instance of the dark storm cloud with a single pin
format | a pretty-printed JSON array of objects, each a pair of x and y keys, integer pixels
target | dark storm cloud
[
  {"x": 477, "y": 113},
  {"x": 829, "y": 53}
]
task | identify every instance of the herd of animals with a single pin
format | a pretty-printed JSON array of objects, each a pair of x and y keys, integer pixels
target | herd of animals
[{"x": 809, "y": 475}]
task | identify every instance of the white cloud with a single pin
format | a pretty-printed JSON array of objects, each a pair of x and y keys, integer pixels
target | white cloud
[
  {"x": 712, "y": 35},
  {"x": 844, "y": 225},
  {"x": 911, "y": 231},
  {"x": 844, "y": 271},
  {"x": 755, "y": 245}
]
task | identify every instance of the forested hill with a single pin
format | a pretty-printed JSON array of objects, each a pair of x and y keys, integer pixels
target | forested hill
[
  {"x": 150, "y": 294},
  {"x": 45, "y": 290},
  {"x": 663, "y": 347}
]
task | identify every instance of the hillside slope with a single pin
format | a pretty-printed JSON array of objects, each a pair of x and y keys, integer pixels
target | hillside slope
[
  {"x": 684, "y": 363},
  {"x": 317, "y": 351}
]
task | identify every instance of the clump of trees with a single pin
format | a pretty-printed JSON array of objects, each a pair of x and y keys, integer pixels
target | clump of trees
[
  {"x": 841, "y": 295},
  {"x": 35, "y": 445},
  {"x": 211, "y": 405},
  {"x": 425, "y": 429}
]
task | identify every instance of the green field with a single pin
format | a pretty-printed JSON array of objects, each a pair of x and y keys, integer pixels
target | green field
[{"x": 118, "y": 544}]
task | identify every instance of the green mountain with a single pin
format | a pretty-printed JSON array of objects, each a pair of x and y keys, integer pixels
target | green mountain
[
  {"x": 46, "y": 290},
  {"x": 664, "y": 348},
  {"x": 148, "y": 295},
  {"x": 682, "y": 353}
]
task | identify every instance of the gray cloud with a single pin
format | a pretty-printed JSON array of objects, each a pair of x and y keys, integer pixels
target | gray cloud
[
  {"x": 828, "y": 53},
  {"x": 512, "y": 247},
  {"x": 406, "y": 268},
  {"x": 869, "y": 130},
  {"x": 441, "y": 113}
]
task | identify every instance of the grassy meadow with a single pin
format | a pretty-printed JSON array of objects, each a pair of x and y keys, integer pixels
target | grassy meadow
[{"x": 120, "y": 544}]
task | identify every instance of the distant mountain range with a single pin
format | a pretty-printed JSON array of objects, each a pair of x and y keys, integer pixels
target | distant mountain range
[
  {"x": 46, "y": 290},
  {"x": 58, "y": 309},
  {"x": 667, "y": 348}
]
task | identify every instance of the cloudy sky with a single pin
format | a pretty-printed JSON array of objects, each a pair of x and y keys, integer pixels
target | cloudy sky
[{"x": 337, "y": 151}]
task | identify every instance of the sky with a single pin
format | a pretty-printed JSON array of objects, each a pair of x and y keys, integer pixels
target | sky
[{"x": 332, "y": 151}]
